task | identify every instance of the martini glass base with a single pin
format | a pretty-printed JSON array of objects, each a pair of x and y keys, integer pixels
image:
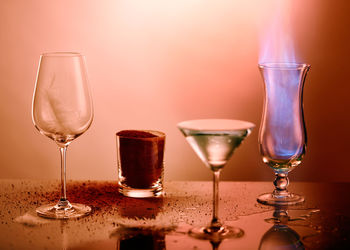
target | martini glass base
[
  {"x": 270, "y": 199},
  {"x": 51, "y": 211},
  {"x": 225, "y": 232}
]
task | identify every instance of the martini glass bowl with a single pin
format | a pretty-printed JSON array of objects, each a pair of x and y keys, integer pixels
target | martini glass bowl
[{"x": 214, "y": 141}]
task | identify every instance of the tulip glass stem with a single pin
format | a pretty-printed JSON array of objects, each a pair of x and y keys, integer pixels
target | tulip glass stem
[{"x": 281, "y": 182}]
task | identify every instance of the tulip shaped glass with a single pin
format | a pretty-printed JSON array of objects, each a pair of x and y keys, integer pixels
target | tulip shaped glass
[{"x": 282, "y": 135}]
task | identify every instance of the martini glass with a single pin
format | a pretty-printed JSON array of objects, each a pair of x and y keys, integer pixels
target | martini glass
[{"x": 214, "y": 141}]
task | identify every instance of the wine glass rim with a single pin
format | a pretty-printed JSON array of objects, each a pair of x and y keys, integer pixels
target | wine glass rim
[
  {"x": 61, "y": 54},
  {"x": 283, "y": 65},
  {"x": 215, "y": 125}
]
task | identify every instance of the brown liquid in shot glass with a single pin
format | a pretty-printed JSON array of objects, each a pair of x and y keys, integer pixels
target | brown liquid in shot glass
[{"x": 141, "y": 158}]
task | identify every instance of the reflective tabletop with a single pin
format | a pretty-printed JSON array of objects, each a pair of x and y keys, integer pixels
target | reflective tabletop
[{"x": 117, "y": 222}]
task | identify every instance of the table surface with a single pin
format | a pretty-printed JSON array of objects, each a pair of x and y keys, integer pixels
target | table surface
[{"x": 117, "y": 222}]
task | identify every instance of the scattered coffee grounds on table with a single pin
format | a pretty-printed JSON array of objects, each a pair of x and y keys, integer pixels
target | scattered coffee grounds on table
[
  {"x": 104, "y": 198},
  {"x": 140, "y": 158}
]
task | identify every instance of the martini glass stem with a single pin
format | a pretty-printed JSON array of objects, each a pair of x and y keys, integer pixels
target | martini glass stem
[
  {"x": 215, "y": 224},
  {"x": 63, "y": 202},
  {"x": 281, "y": 182}
]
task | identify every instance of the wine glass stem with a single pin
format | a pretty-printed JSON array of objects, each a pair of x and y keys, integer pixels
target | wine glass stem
[
  {"x": 215, "y": 224},
  {"x": 63, "y": 200}
]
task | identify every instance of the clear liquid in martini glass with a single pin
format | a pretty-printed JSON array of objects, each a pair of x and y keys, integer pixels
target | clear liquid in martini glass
[{"x": 214, "y": 141}]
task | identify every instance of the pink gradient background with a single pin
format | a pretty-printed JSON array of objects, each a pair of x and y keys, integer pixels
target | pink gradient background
[{"x": 155, "y": 63}]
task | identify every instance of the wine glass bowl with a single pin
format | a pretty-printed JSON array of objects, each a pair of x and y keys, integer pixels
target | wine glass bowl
[
  {"x": 62, "y": 110},
  {"x": 214, "y": 141},
  {"x": 282, "y": 135},
  {"x": 62, "y": 107}
]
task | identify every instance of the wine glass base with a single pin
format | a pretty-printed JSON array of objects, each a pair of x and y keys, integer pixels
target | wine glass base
[
  {"x": 50, "y": 211},
  {"x": 270, "y": 199},
  {"x": 225, "y": 232}
]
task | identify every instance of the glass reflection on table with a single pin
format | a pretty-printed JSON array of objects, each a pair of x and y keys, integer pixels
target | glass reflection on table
[
  {"x": 129, "y": 238},
  {"x": 280, "y": 235}
]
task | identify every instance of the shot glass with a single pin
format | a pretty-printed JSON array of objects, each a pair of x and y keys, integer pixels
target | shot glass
[{"x": 140, "y": 163}]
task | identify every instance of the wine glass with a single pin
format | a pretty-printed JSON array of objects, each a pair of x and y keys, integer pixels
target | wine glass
[
  {"x": 282, "y": 135},
  {"x": 62, "y": 110},
  {"x": 214, "y": 141}
]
